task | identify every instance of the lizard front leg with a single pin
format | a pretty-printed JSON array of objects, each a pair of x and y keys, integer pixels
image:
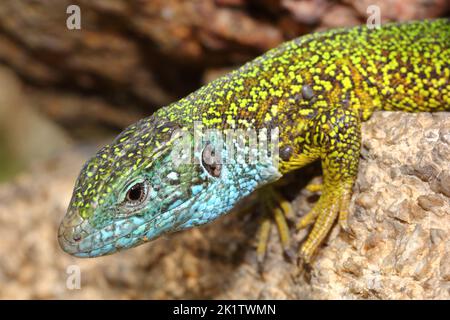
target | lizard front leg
[{"x": 336, "y": 138}]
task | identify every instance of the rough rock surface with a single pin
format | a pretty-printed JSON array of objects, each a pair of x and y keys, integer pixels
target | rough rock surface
[{"x": 400, "y": 220}]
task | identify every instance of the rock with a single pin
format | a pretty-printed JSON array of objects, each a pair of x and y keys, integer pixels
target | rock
[
  {"x": 445, "y": 267},
  {"x": 399, "y": 251}
]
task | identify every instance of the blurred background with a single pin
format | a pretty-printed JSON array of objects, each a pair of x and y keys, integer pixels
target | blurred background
[{"x": 65, "y": 92}]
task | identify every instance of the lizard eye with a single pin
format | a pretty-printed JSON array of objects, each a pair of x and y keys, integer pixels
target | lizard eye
[
  {"x": 137, "y": 193},
  {"x": 211, "y": 161}
]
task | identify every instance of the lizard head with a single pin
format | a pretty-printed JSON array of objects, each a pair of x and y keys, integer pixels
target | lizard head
[{"x": 151, "y": 180}]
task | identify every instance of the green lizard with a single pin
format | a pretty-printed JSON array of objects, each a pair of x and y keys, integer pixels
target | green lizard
[{"x": 315, "y": 90}]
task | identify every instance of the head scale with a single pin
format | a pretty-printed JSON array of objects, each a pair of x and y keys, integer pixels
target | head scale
[{"x": 136, "y": 189}]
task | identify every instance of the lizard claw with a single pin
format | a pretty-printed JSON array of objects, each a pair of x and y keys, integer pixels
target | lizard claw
[
  {"x": 343, "y": 216},
  {"x": 289, "y": 254},
  {"x": 343, "y": 224}
]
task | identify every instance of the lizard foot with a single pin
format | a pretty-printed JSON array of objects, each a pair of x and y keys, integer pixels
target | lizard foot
[
  {"x": 276, "y": 209},
  {"x": 337, "y": 142},
  {"x": 331, "y": 205}
]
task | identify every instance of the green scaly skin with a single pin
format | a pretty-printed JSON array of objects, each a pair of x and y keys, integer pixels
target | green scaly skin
[{"x": 315, "y": 89}]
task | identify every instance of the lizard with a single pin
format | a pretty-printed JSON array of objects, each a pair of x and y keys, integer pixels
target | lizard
[{"x": 314, "y": 91}]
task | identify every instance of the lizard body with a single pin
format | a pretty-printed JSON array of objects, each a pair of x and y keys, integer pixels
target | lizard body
[{"x": 315, "y": 90}]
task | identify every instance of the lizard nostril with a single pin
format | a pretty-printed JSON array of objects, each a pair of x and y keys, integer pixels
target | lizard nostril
[{"x": 76, "y": 238}]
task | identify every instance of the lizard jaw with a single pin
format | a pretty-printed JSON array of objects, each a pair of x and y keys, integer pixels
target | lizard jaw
[{"x": 77, "y": 237}]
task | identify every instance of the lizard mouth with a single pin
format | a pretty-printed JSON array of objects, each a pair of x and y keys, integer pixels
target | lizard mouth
[{"x": 76, "y": 236}]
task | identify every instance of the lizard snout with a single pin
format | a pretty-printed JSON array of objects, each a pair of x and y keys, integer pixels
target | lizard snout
[{"x": 70, "y": 232}]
